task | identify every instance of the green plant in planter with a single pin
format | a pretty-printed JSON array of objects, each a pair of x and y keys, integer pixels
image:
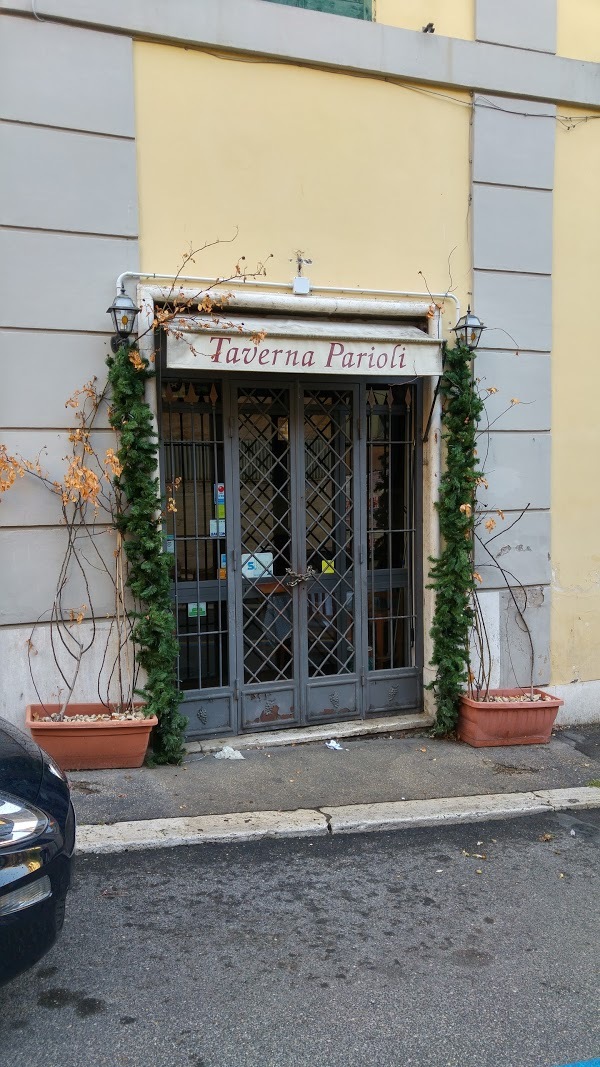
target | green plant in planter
[
  {"x": 148, "y": 566},
  {"x": 452, "y": 574}
]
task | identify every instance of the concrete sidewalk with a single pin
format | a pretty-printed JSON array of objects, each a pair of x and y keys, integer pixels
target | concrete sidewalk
[{"x": 310, "y": 777}]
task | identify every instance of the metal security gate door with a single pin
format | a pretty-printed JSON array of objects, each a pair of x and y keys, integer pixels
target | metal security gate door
[
  {"x": 292, "y": 527},
  {"x": 297, "y": 569}
]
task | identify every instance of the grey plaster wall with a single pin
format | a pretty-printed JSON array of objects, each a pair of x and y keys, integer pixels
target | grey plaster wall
[
  {"x": 30, "y": 504},
  {"x": 517, "y": 467},
  {"x": 500, "y": 123},
  {"x": 524, "y": 633},
  {"x": 31, "y": 561},
  {"x": 68, "y": 227},
  {"x": 527, "y": 24},
  {"x": 66, "y": 77},
  {"x": 516, "y": 307},
  {"x": 63, "y": 180},
  {"x": 59, "y": 281},
  {"x": 518, "y": 376},
  {"x": 521, "y": 549},
  {"x": 517, "y": 234},
  {"x": 513, "y": 166},
  {"x": 67, "y": 360}
]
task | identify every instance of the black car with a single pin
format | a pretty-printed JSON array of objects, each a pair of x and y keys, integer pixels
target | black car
[{"x": 37, "y": 837}]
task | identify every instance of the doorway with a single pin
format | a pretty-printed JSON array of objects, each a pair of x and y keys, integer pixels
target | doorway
[{"x": 292, "y": 521}]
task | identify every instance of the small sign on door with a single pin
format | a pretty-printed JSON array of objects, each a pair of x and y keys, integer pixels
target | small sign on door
[
  {"x": 257, "y": 564},
  {"x": 220, "y": 500}
]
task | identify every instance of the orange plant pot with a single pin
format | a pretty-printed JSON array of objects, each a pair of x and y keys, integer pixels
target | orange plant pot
[
  {"x": 89, "y": 746},
  {"x": 486, "y": 723}
]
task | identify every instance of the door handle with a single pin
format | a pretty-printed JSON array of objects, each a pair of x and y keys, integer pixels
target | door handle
[{"x": 294, "y": 578}]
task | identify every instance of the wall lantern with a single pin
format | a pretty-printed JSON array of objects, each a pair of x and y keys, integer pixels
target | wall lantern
[
  {"x": 468, "y": 330},
  {"x": 124, "y": 313}
]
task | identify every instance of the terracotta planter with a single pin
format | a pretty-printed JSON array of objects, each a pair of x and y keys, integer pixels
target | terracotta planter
[
  {"x": 89, "y": 746},
  {"x": 486, "y": 723}
]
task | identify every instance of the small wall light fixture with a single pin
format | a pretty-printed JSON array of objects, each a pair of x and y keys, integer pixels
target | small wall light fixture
[
  {"x": 468, "y": 330},
  {"x": 124, "y": 313}
]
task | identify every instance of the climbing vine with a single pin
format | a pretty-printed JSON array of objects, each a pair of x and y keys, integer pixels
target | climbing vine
[
  {"x": 452, "y": 574},
  {"x": 148, "y": 566}
]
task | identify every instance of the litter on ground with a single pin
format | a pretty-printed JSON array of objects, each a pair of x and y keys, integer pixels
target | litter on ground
[{"x": 227, "y": 752}]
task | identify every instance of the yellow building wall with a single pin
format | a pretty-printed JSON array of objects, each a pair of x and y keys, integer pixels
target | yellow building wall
[
  {"x": 575, "y": 421},
  {"x": 369, "y": 179},
  {"x": 578, "y": 29},
  {"x": 451, "y": 18}
]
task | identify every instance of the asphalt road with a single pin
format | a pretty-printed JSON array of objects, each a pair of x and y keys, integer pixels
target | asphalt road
[{"x": 380, "y": 950}]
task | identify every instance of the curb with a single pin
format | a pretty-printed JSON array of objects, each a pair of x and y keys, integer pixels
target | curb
[{"x": 318, "y": 822}]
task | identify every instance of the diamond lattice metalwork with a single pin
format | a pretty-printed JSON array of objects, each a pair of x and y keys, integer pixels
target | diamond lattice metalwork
[
  {"x": 265, "y": 518},
  {"x": 329, "y": 531}
]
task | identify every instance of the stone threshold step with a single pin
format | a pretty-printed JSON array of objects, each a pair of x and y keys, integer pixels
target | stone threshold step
[{"x": 387, "y": 724}]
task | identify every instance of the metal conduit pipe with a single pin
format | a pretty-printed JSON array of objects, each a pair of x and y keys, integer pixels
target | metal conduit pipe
[{"x": 286, "y": 285}]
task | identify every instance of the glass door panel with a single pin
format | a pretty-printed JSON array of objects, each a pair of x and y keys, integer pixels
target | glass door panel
[
  {"x": 329, "y": 531},
  {"x": 391, "y": 531},
  {"x": 267, "y": 644},
  {"x": 265, "y": 523},
  {"x": 192, "y": 431},
  {"x": 390, "y": 526}
]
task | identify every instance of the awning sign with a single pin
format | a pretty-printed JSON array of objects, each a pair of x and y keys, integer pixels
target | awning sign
[{"x": 304, "y": 346}]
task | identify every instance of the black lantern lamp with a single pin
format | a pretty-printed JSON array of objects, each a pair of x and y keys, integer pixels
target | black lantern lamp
[
  {"x": 468, "y": 330},
  {"x": 124, "y": 313}
]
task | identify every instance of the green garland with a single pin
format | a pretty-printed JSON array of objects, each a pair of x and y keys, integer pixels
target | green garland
[
  {"x": 452, "y": 573},
  {"x": 140, "y": 524}
]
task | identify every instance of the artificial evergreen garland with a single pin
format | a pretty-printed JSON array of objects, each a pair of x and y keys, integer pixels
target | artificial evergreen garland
[
  {"x": 149, "y": 581},
  {"x": 452, "y": 573}
]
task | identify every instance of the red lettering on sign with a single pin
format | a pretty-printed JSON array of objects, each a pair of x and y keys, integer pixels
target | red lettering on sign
[
  {"x": 332, "y": 351},
  {"x": 401, "y": 358},
  {"x": 220, "y": 342}
]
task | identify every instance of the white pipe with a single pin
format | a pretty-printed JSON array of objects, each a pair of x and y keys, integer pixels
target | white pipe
[{"x": 284, "y": 285}]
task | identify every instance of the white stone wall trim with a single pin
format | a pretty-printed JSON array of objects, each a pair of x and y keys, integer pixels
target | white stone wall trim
[
  {"x": 269, "y": 30},
  {"x": 581, "y": 703}
]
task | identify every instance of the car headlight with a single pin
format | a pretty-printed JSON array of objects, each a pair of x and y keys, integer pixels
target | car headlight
[
  {"x": 25, "y": 896},
  {"x": 19, "y": 822}
]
